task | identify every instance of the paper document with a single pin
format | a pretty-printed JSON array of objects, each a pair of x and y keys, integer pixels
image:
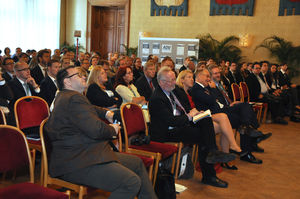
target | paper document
[{"x": 201, "y": 116}]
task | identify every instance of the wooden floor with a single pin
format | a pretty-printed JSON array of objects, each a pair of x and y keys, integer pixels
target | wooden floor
[{"x": 278, "y": 177}]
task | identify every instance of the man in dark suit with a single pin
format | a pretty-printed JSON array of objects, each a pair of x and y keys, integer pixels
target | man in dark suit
[
  {"x": 5, "y": 92},
  {"x": 8, "y": 66},
  {"x": 81, "y": 152},
  {"x": 259, "y": 92},
  {"x": 147, "y": 83},
  {"x": 247, "y": 143},
  {"x": 171, "y": 122},
  {"x": 48, "y": 84},
  {"x": 39, "y": 72}
]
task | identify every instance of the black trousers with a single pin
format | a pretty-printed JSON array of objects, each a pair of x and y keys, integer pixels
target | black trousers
[
  {"x": 275, "y": 105},
  {"x": 202, "y": 133}
]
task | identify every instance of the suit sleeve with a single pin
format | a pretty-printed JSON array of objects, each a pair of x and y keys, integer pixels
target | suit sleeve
[{"x": 86, "y": 118}]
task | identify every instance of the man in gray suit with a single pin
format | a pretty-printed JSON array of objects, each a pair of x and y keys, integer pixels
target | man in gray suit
[{"x": 79, "y": 140}]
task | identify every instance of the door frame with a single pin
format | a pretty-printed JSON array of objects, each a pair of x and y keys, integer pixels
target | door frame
[{"x": 91, "y": 3}]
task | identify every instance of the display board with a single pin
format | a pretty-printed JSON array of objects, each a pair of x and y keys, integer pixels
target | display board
[{"x": 176, "y": 48}]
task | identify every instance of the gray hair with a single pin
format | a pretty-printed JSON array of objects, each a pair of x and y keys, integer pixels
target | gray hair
[{"x": 162, "y": 71}]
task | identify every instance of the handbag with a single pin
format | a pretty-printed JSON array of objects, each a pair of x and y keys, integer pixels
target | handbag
[{"x": 165, "y": 184}]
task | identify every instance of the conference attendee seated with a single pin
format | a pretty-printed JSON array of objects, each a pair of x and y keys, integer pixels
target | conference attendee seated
[
  {"x": 292, "y": 92},
  {"x": 15, "y": 56},
  {"x": 8, "y": 67},
  {"x": 39, "y": 72},
  {"x": 241, "y": 115},
  {"x": 172, "y": 122},
  {"x": 49, "y": 85},
  {"x": 185, "y": 82},
  {"x": 99, "y": 93},
  {"x": 110, "y": 75},
  {"x": 260, "y": 92},
  {"x": 188, "y": 65},
  {"x": 147, "y": 83},
  {"x": 81, "y": 152},
  {"x": 137, "y": 69},
  {"x": 5, "y": 95}
]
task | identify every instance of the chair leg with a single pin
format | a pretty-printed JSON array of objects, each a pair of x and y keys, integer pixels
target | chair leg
[
  {"x": 156, "y": 168},
  {"x": 178, "y": 160},
  {"x": 42, "y": 172},
  {"x": 265, "y": 115},
  {"x": 81, "y": 192},
  {"x": 196, "y": 156}
]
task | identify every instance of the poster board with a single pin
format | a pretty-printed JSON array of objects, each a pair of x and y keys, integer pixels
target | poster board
[{"x": 176, "y": 48}]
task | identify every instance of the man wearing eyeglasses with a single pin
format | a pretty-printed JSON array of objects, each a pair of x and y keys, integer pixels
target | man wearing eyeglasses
[
  {"x": 23, "y": 84},
  {"x": 81, "y": 152},
  {"x": 8, "y": 66}
]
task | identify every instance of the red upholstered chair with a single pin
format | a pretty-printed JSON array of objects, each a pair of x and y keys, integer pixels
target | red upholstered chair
[
  {"x": 47, "y": 179},
  {"x": 134, "y": 122},
  {"x": 236, "y": 92},
  {"x": 15, "y": 154},
  {"x": 30, "y": 111},
  {"x": 2, "y": 117},
  {"x": 258, "y": 106}
]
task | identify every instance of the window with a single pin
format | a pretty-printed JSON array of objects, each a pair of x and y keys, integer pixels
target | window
[{"x": 29, "y": 24}]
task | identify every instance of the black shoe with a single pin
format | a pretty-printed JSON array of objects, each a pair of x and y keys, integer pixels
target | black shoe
[
  {"x": 215, "y": 181},
  {"x": 294, "y": 119},
  {"x": 280, "y": 120},
  {"x": 251, "y": 132},
  {"x": 238, "y": 153},
  {"x": 263, "y": 137},
  {"x": 232, "y": 167},
  {"x": 250, "y": 158},
  {"x": 258, "y": 149},
  {"x": 218, "y": 156}
]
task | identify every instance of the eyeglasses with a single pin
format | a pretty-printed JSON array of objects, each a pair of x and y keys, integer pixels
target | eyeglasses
[
  {"x": 23, "y": 69},
  {"x": 79, "y": 75}
]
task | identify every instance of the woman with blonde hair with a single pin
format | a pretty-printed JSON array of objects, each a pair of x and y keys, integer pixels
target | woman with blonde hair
[
  {"x": 222, "y": 125},
  {"x": 99, "y": 93}
]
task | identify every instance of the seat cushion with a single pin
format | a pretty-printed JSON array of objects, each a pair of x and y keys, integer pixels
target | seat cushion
[
  {"x": 166, "y": 150},
  {"x": 30, "y": 191},
  {"x": 146, "y": 160}
]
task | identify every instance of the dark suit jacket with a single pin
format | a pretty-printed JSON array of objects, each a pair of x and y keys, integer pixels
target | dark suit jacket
[
  {"x": 5, "y": 94},
  {"x": 143, "y": 87},
  {"x": 182, "y": 68},
  {"x": 18, "y": 91},
  {"x": 254, "y": 87},
  {"x": 37, "y": 74},
  {"x": 284, "y": 79},
  {"x": 100, "y": 98},
  {"x": 161, "y": 113},
  {"x": 268, "y": 78},
  {"x": 237, "y": 76},
  {"x": 48, "y": 90},
  {"x": 77, "y": 136},
  {"x": 6, "y": 76}
]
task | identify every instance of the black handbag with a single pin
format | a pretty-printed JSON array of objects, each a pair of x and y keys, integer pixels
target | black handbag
[{"x": 165, "y": 184}]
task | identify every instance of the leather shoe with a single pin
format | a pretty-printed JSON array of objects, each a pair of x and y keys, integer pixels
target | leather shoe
[
  {"x": 258, "y": 149},
  {"x": 251, "y": 132},
  {"x": 263, "y": 137},
  {"x": 238, "y": 153},
  {"x": 280, "y": 120},
  {"x": 227, "y": 166},
  {"x": 294, "y": 119},
  {"x": 215, "y": 181},
  {"x": 251, "y": 158},
  {"x": 214, "y": 157}
]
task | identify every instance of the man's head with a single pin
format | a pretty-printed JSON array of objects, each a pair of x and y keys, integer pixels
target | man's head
[
  {"x": 70, "y": 78},
  {"x": 202, "y": 76},
  {"x": 264, "y": 67},
  {"x": 186, "y": 61},
  {"x": 210, "y": 61},
  {"x": 53, "y": 67},
  {"x": 191, "y": 65},
  {"x": 149, "y": 69},
  {"x": 215, "y": 73},
  {"x": 256, "y": 68},
  {"x": 22, "y": 70},
  {"x": 166, "y": 78},
  {"x": 167, "y": 61},
  {"x": 81, "y": 56},
  {"x": 43, "y": 57},
  {"x": 8, "y": 64},
  {"x": 18, "y": 51},
  {"x": 23, "y": 57},
  {"x": 122, "y": 62},
  {"x": 273, "y": 68},
  {"x": 284, "y": 67},
  {"x": 65, "y": 62},
  {"x": 85, "y": 63},
  {"x": 233, "y": 67},
  {"x": 57, "y": 52}
]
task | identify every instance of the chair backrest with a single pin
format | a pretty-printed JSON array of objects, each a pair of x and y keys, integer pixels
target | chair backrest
[
  {"x": 245, "y": 91},
  {"x": 133, "y": 121},
  {"x": 14, "y": 150},
  {"x": 236, "y": 92},
  {"x": 30, "y": 111},
  {"x": 44, "y": 152},
  {"x": 2, "y": 117}
]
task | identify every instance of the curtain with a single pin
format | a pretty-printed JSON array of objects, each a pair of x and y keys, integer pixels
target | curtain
[{"x": 29, "y": 24}]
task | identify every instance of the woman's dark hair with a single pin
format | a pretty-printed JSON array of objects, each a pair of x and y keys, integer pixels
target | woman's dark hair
[
  {"x": 61, "y": 75},
  {"x": 5, "y": 49},
  {"x": 120, "y": 74}
]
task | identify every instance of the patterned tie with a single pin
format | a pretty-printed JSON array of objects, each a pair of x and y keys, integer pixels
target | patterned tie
[
  {"x": 151, "y": 85},
  {"x": 224, "y": 93},
  {"x": 27, "y": 89},
  {"x": 177, "y": 104}
]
